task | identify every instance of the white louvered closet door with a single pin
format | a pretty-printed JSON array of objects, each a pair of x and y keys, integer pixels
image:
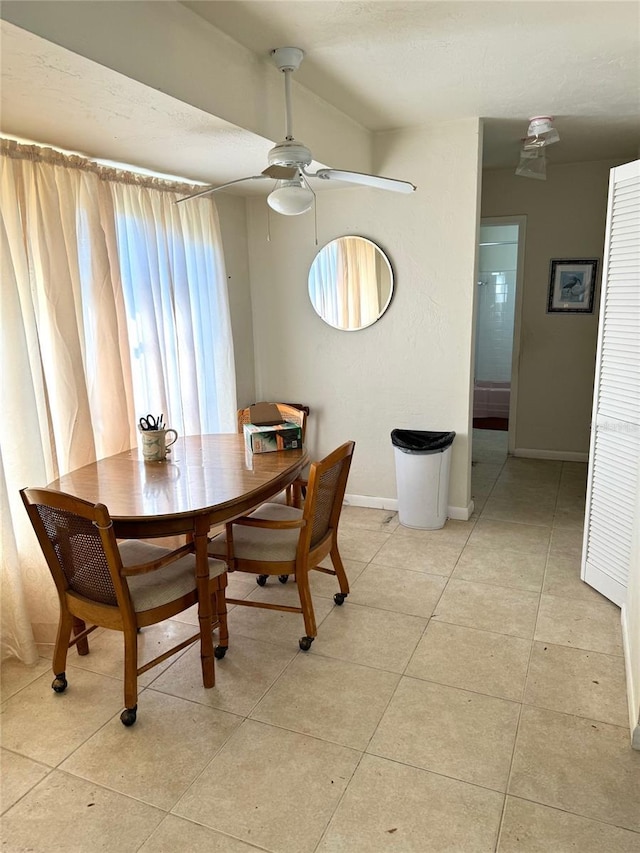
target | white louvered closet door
[{"x": 614, "y": 457}]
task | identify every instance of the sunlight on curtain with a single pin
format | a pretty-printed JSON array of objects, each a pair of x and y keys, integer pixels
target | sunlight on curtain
[
  {"x": 323, "y": 284},
  {"x": 176, "y": 329},
  {"x": 360, "y": 300},
  {"x": 72, "y": 386}
]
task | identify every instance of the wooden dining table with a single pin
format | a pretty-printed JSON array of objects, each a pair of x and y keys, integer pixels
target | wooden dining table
[{"x": 206, "y": 480}]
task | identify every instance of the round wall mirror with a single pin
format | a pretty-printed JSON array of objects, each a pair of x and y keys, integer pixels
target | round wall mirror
[{"x": 350, "y": 283}]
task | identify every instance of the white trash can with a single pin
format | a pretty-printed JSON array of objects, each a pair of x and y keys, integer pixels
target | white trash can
[{"x": 423, "y": 461}]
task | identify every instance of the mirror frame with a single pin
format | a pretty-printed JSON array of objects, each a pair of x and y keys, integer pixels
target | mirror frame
[{"x": 386, "y": 259}]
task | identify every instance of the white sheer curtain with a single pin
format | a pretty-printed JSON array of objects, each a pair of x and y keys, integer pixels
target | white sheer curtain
[
  {"x": 87, "y": 262},
  {"x": 176, "y": 329}
]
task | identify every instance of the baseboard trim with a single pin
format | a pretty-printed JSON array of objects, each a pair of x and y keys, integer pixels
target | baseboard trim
[
  {"x": 633, "y": 689},
  {"x": 461, "y": 513},
  {"x": 558, "y": 455},
  {"x": 458, "y": 513},
  {"x": 371, "y": 501}
]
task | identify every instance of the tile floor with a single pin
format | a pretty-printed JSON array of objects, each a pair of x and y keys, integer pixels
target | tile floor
[{"x": 469, "y": 696}]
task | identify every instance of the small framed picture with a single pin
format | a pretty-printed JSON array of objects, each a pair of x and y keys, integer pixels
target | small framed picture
[{"x": 572, "y": 285}]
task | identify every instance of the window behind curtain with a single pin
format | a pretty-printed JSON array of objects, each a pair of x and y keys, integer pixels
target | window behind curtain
[{"x": 174, "y": 286}]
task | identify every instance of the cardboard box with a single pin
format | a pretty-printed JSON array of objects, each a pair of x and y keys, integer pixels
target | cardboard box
[{"x": 264, "y": 439}]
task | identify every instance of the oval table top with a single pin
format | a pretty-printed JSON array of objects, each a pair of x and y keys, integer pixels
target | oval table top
[{"x": 211, "y": 475}]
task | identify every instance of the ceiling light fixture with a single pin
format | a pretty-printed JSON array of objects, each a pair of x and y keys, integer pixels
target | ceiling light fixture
[
  {"x": 540, "y": 133},
  {"x": 290, "y": 197}
]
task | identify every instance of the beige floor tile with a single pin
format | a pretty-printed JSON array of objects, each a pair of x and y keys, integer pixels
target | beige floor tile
[
  {"x": 566, "y": 540},
  {"x": 15, "y": 675},
  {"x": 478, "y": 505},
  {"x": 587, "y": 684},
  {"x": 48, "y": 726},
  {"x": 532, "y": 828},
  {"x": 362, "y": 545},
  {"x": 419, "y": 555},
  {"x": 569, "y": 519},
  {"x": 327, "y": 585},
  {"x": 330, "y": 699},
  {"x": 502, "y": 610},
  {"x": 175, "y": 835},
  {"x": 321, "y": 585},
  {"x": 536, "y": 470},
  {"x": 505, "y": 568},
  {"x": 449, "y": 731},
  {"x": 577, "y": 765},
  {"x": 389, "y": 806},
  {"x": 245, "y": 674},
  {"x": 106, "y": 650},
  {"x": 562, "y": 578},
  {"x": 507, "y": 535},
  {"x": 130, "y": 761},
  {"x": 510, "y": 488},
  {"x": 489, "y": 471},
  {"x": 481, "y": 487},
  {"x": 273, "y": 626},
  {"x": 519, "y": 511},
  {"x": 378, "y": 638},
  {"x": 272, "y": 787},
  {"x": 416, "y": 593},
  {"x": 367, "y": 518},
  {"x": 472, "y": 660},
  {"x": 453, "y": 533},
  {"x": 67, "y": 814},
  {"x": 590, "y": 625},
  {"x": 18, "y": 775}
]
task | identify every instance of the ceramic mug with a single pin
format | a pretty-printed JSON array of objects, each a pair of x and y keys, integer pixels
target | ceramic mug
[{"x": 155, "y": 445}]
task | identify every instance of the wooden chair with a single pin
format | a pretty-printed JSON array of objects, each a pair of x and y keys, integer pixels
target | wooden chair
[
  {"x": 124, "y": 586},
  {"x": 294, "y": 415},
  {"x": 288, "y": 413},
  {"x": 284, "y": 540}
]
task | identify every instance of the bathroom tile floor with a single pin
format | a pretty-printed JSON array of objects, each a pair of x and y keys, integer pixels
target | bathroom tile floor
[{"x": 469, "y": 696}]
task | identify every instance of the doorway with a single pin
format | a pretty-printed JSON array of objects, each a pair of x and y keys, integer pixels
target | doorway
[{"x": 497, "y": 326}]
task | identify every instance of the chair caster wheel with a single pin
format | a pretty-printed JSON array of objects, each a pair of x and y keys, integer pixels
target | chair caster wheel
[
  {"x": 305, "y": 643},
  {"x": 339, "y": 598},
  {"x": 220, "y": 651},
  {"x": 283, "y": 578},
  {"x": 261, "y": 580},
  {"x": 59, "y": 683},
  {"x": 128, "y": 716}
]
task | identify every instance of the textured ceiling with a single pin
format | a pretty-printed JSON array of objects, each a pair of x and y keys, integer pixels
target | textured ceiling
[
  {"x": 386, "y": 65},
  {"x": 398, "y": 64}
]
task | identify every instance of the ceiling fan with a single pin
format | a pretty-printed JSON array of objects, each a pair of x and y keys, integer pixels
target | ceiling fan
[{"x": 289, "y": 159}]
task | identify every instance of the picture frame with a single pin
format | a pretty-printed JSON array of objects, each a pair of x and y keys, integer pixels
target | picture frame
[{"x": 572, "y": 284}]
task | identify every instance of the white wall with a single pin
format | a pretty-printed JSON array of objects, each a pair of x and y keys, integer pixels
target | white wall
[
  {"x": 232, "y": 213},
  {"x": 565, "y": 219},
  {"x": 413, "y": 367}
]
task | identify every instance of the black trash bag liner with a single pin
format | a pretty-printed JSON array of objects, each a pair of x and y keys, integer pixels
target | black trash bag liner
[{"x": 421, "y": 441}]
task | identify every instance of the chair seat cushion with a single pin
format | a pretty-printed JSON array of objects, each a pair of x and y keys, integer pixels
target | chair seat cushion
[
  {"x": 259, "y": 543},
  {"x": 154, "y": 589}
]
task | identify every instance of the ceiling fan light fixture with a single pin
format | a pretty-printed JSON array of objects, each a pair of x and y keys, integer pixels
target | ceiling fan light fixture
[
  {"x": 540, "y": 133},
  {"x": 290, "y": 198}
]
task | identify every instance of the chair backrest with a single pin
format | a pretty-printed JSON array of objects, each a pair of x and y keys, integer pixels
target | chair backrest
[
  {"x": 325, "y": 493},
  {"x": 287, "y": 412},
  {"x": 79, "y": 544}
]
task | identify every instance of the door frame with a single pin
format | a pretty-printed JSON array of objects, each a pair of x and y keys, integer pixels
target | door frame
[{"x": 521, "y": 222}]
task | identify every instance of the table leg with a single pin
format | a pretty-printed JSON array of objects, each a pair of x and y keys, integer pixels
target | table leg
[{"x": 204, "y": 606}]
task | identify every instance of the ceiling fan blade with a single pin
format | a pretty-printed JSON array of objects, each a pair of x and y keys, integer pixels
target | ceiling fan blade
[
  {"x": 209, "y": 190},
  {"x": 280, "y": 173},
  {"x": 376, "y": 181}
]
